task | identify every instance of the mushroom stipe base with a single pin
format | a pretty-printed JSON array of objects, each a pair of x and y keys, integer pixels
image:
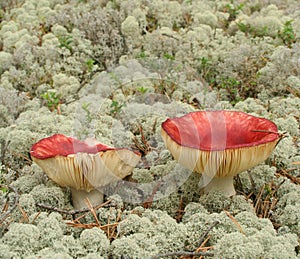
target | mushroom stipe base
[
  {"x": 81, "y": 199},
  {"x": 222, "y": 184}
]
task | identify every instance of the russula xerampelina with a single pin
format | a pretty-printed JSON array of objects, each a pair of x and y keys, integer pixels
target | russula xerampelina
[
  {"x": 219, "y": 144},
  {"x": 83, "y": 167}
]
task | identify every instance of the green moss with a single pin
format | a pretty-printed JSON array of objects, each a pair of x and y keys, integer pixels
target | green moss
[
  {"x": 21, "y": 140},
  {"x": 287, "y": 187},
  {"x": 165, "y": 156},
  {"x": 273, "y": 76},
  {"x": 167, "y": 178}
]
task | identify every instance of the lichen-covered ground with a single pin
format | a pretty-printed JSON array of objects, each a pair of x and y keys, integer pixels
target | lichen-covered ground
[{"x": 114, "y": 71}]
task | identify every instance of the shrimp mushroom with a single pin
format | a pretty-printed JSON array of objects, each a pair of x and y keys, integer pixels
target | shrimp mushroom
[
  {"x": 82, "y": 166},
  {"x": 219, "y": 144}
]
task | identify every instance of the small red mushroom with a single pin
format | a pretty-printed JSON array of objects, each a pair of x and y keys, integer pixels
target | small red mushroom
[
  {"x": 219, "y": 144},
  {"x": 83, "y": 167}
]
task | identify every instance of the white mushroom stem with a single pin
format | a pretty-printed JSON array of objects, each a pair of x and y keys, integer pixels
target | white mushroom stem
[
  {"x": 223, "y": 184},
  {"x": 79, "y": 198}
]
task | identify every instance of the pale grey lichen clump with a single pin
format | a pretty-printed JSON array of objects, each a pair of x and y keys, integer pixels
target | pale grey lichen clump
[
  {"x": 252, "y": 238},
  {"x": 237, "y": 245},
  {"x": 154, "y": 232},
  {"x": 114, "y": 71},
  {"x": 286, "y": 212}
]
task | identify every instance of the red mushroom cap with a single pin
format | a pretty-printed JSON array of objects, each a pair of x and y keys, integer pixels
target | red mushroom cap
[
  {"x": 219, "y": 130},
  {"x": 61, "y": 145},
  {"x": 74, "y": 163}
]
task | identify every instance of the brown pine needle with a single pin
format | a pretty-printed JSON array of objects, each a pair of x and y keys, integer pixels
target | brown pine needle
[
  {"x": 258, "y": 199},
  {"x": 148, "y": 202},
  {"x": 91, "y": 225},
  {"x": 81, "y": 225},
  {"x": 235, "y": 222},
  {"x": 202, "y": 247},
  {"x": 296, "y": 163},
  {"x": 35, "y": 217},
  {"x": 24, "y": 214},
  {"x": 6, "y": 210},
  {"x": 90, "y": 206}
]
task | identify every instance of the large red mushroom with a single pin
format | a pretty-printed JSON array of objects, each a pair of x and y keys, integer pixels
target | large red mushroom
[
  {"x": 83, "y": 167},
  {"x": 219, "y": 144}
]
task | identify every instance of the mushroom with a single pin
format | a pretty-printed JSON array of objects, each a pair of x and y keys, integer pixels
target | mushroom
[
  {"x": 82, "y": 166},
  {"x": 219, "y": 144}
]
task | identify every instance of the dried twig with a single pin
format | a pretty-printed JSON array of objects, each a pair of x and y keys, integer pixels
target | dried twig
[
  {"x": 294, "y": 179},
  {"x": 71, "y": 212},
  {"x": 180, "y": 210},
  {"x": 148, "y": 203},
  {"x": 15, "y": 204},
  {"x": 266, "y": 131},
  {"x": 204, "y": 235},
  {"x": 143, "y": 145},
  {"x": 4, "y": 147},
  {"x": 182, "y": 253}
]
